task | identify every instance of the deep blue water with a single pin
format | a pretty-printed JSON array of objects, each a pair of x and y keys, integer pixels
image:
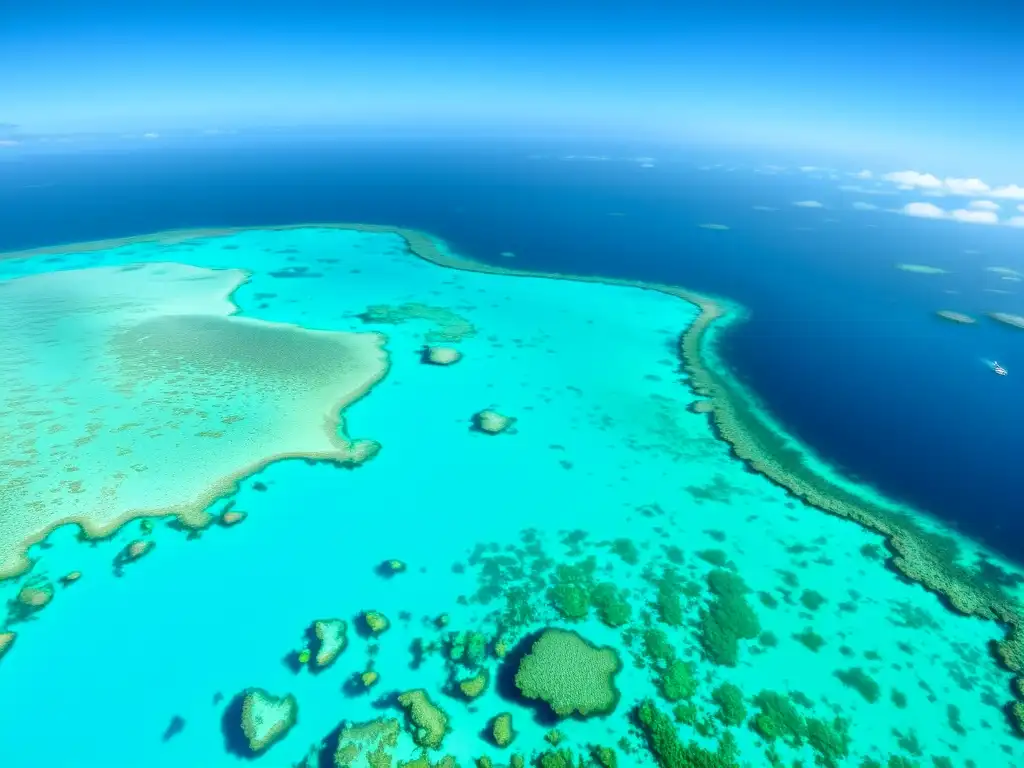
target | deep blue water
[{"x": 844, "y": 349}]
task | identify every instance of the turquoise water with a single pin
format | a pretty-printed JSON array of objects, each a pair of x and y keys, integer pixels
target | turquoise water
[{"x": 603, "y": 443}]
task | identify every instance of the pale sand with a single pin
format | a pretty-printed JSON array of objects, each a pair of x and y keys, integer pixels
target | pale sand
[{"x": 135, "y": 393}]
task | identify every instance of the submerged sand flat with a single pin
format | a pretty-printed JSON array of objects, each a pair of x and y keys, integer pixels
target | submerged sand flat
[
  {"x": 922, "y": 269},
  {"x": 180, "y": 397}
]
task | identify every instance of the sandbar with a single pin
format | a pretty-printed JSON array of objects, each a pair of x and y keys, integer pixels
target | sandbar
[
  {"x": 956, "y": 317},
  {"x": 137, "y": 392}
]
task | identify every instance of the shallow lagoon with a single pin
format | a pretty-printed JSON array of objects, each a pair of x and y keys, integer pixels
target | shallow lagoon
[{"x": 603, "y": 442}]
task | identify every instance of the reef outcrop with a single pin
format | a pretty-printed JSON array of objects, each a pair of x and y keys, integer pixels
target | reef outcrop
[
  {"x": 569, "y": 674},
  {"x": 429, "y": 721},
  {"x": 492, "y": 422},
  {"x": 266, "y": 718},
  {"x": 332, "y": 638},
  {"x": 6, "y": 642},
  {"x": 441, "y": 355}
]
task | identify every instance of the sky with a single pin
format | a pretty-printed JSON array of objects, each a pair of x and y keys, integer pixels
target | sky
[{"x": 929, "y": 85}]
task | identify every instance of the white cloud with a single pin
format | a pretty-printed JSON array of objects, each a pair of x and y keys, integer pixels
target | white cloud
[
  {"x": 808, "y": 204},
  {"x": 865, "y": 174},
  {"x": 913, "y": 179},
  {"x": 8, "y": 143},
  {"x": 810, "y": 168},
  {"x": 952, "y": 185},
  {"x": 974, "y": 217},
  {"x": 1011, "y": 191},
  {"x": 983, "y": 205},
  {"x": 966, "y": 187},
  {"x": 151, "y": 135},
  {"x": 859, "y": 206},
  {"x": 1016, "y": 221},
  {"x": 923, "y": 210},
  {"x": 963, "y": 215}
]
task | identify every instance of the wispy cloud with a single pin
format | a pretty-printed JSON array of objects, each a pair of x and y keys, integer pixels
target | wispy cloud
[
  {"x": 1015, "y": 221},
  {"x": 859, "y": 206},
  {"x": 866, "y": 190},
  {"x": 983, "y": 205},
  {"x": 865, "y": 174},
  {"x": 9, "y": 143},
  {"x": 769, "y": 208},
  {"x": 808, "y": 204}
]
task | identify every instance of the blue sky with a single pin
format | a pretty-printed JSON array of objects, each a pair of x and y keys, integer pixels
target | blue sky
[{"x": 929, "y": 84}]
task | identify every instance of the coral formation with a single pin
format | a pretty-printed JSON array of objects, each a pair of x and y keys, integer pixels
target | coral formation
[
  {"x": 569, "y": 674},
  {"x": 332, "y": 639},
  {"x": 70, "y": 578},
  {"x": 501, "y": 729},
  {"x": 727, "y": 619},
  {"x": 441, "y": 355},
  {"x": 860, "y": 681},
  {"x": 266, "y": 718},
  {"x": 670, "y": 752},
  {"x": 473, "y": 686},
  {"x": 232, "y": 517},
  {"x": 375, "y": 622},
  {"x": 6, "y": 641},
  {"x": 35, "y": 596},
  {"x": 492, "y": 422},
  {"x": 429, "y": 721},
  {"x": 136, "y": 549},
  {"x": 467, "y": 648},
  {"x": 445, "y": 325},
  {"x": 373, "y": 739},
  {"x": 731, "y": 710},
  {"x": 922, "y": 269},
  {"x": 678, "y": 681}
]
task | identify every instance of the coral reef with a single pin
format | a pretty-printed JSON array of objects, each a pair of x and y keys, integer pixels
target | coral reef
[
  {"x": 670, "y": 752},
  {"x": 501, "y": 729},
  {"x": 6, "y": 641},
  {"x": 467, "y": 648},
  {"x": 34, "y": 596},
  {"x": 429, "y": 721},
  {"x": 135, "y": 550},
  {"x": 731, "y": 710},
  {"x": 492, "y": 422},
  {"x": 678, "y": 681},
  {"x": 445, "y": 325},
  {"x": 727, "y": 619},
  {"x": 861, "y": 682},
  {"x": 374, "y": 739},
  {"x": 441, "y": 355},
  {"x": 569, "y": 674},
  {"x": 70, "y": 578},
  {"x": 473, "y": 686},
  {"x": 777, "y": 718},
  {"x": 232, "y": 517},
  {"x": 332, "y": 639},
  {"x": 266, "y": 718},
  {"x": 375, "y": 622}
]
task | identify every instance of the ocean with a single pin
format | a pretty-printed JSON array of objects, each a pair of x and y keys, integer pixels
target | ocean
[
  {"x": 840, "y": 347},
  {"x": 269, "y": 431}
]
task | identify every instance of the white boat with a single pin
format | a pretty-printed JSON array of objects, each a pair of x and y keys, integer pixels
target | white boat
[{"x": 998, "y": 368}]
